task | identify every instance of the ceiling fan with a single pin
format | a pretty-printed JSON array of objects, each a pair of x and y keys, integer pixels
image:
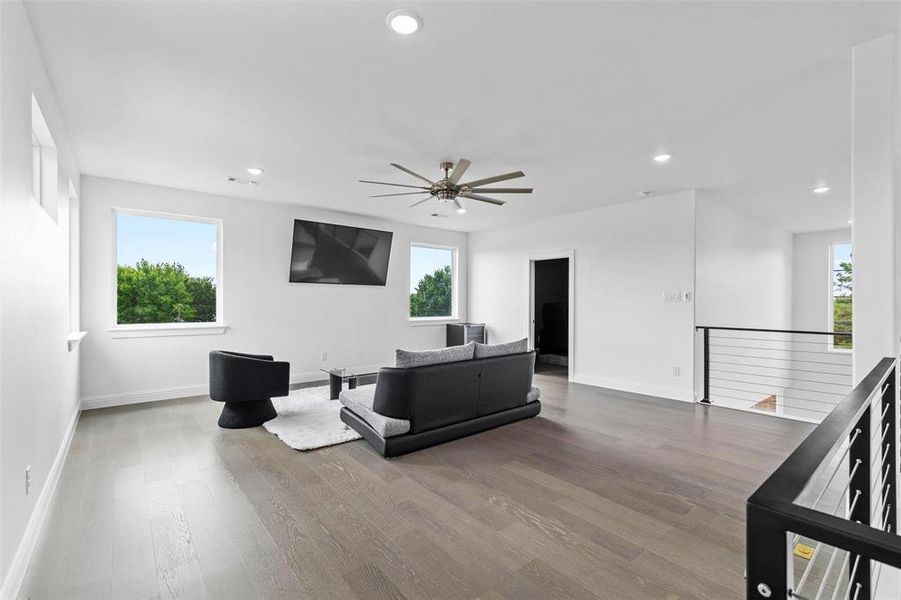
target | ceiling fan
[{"x": 448, "y": 189}]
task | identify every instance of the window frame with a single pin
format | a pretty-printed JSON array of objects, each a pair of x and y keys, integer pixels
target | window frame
[
  {"x": 44, "y": 163},
  {"x": 36, "y": 168},
  {"x": 118, "y": 330},
  {"x": 830, "y": 315},
  {"x": 455, "y": 280}
]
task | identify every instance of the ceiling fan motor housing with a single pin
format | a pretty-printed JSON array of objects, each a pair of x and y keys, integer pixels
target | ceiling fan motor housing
[{"x": 446, "y": 194}]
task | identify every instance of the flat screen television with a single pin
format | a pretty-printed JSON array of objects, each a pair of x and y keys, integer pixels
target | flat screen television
[{"x": 329, "y": 253}]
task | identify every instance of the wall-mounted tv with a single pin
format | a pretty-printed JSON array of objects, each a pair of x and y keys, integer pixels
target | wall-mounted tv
[{"x": 329, "y": 253}]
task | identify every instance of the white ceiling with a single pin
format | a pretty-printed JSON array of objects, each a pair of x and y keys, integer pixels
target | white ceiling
[{"x": 752, "y": 99}]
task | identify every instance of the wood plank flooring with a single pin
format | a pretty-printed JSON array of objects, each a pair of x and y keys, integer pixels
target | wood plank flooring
[{"x": 605, "y": 495}]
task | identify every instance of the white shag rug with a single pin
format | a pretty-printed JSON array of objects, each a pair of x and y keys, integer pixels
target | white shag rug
[{"x": 307, "y": 420}]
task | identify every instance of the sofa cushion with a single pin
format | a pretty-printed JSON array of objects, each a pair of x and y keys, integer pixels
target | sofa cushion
[
  {"x": 421, "y": 358},
  {"x": 360, "y": 401},
  {"x": 533, "y": 395},
  {"x": 486, "y": 350}
]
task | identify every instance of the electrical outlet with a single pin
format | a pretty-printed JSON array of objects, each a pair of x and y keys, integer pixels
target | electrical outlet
[
  {"x": 677, "y": 372},
  {"x": 27, "y": 479},
  {"x": 324, "y": 357}
]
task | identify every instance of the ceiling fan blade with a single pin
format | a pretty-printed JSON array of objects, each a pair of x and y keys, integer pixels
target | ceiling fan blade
[
  {"x": 420, "y": 202},
  {"x": 400, "y": 194},
  {"x": 504, "y": 177},
  {"x": 483, "y": 199},
  {"x": 409, "y": 172},
  {"x": 416, "y": 187},
  {"x": 503, "y": 190},
  {"x": 458, "y": 171}
]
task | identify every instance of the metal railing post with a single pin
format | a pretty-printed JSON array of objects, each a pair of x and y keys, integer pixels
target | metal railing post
[
  {"x": 767, "y": 556},
  {"x": 706, "y": 398},
  {"x": 889, "y": 425},
  {"x": 859, "y": 462}
]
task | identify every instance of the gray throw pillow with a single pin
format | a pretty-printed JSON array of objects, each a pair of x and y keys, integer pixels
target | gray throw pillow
[
  {"x": 412, "y": 358},
  {"x": 486, "y": 350}
]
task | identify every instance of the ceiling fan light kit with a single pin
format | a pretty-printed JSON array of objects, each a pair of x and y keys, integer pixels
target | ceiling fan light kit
[{"x": 449, "y": 189}]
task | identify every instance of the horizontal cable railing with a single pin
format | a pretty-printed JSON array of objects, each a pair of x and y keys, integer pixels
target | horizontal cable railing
[
  {"x": 799, "y": 374},
  {"x": 824, "y": 525}
]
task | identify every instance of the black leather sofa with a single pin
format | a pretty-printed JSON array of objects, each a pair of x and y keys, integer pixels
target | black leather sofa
[
  {"x": 246, "y": 383},
  {"x": 447, "y": 401}
]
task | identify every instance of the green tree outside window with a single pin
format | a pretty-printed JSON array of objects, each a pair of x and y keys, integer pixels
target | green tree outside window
[
  {"x": 433, "y": 296},
  {"x": 163, "y": 293}
]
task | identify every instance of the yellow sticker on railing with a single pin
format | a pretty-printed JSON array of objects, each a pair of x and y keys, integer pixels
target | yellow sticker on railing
[{"x": 803, "y": 551}]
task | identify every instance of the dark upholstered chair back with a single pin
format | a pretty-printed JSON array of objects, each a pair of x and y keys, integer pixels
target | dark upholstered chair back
[{"x": 237, "y": 377}]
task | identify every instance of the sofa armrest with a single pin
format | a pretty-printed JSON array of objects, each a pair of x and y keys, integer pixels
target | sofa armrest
[{"x": 394, "y": 394}]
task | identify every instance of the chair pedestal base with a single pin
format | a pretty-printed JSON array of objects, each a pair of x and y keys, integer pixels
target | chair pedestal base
[{"x": 238, "y": 415}]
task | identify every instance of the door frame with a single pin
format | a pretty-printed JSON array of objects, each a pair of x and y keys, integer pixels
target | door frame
[{"x": 531, "y": 258}]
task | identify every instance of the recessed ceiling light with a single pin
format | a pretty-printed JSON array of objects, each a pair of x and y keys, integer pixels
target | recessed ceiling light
[
  {"x": 662, "y": 158},
  {"x": 255, "y": 171},
  {"x": 461, "y": 210},
  {"x": 850, "y": 221},
  {"x": 403, "y": 22},
  {"x": 821, "y": 189}
]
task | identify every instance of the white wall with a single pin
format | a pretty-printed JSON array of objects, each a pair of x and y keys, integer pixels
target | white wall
[
  {"x": 743, "y": 279},
  {"x": 744, "y": 268},
  {"x": 263, "y": 311},
  {"x": 812, "y": 278},
  {"x": 873, "y": 164},
  {"x": 38, "y": 375},
  {"x": 626, "y": 256}
]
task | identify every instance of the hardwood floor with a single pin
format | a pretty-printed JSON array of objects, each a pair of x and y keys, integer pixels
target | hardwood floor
[{"x": 605, "y": 495}]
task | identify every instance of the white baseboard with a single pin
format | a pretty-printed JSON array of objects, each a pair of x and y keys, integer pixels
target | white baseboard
[
  {"x": 186, "y": 391},
  {"x": 16, "y": 575},
  {"x": 636, "y": 388}
]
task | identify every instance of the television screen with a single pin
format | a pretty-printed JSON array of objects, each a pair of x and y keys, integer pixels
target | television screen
[{"x": 329, "y": 253}]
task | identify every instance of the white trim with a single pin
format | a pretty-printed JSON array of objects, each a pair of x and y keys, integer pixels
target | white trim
[
  {"x": 644, "y": 389},
  {"x": 16, "y": 575},
  {"x": 166, "y": 329},
  {"x": 172, "y": 393},
  {"x": 74, "y": 338},
  {"x": 220, "y": 270},
  {"x": 765, "y": 413},
  {"x": 530, "y": 299},
  {"x": 425, "y": 321},
  {"x": 455, "y": 285}
]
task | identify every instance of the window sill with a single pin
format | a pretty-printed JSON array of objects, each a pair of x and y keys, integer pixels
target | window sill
[
  {"x": 425, "y": 321},
  {"x": 171, "y": 329},
  {"x": 74, "y": 338}
]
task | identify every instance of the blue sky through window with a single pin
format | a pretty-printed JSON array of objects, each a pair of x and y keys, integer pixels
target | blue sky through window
[
  {"x": 840, "y": 253},
  {"x": 425, "y": 261},
  {"x": 157, "y": 239}
]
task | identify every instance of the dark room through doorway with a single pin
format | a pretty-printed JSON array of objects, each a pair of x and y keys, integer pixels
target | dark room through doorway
[{"x": 550, "y": 314}]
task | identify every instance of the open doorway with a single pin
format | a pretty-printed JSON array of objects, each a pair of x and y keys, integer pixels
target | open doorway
[{"x": 551, "y": 318}]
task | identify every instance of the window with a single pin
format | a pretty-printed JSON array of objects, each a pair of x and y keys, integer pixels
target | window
[
  {"x": 167, "y": 270},
  {"x": 35, "y": 168},
  {"x": 44, "y": 174},
  {"x": 433, "y": 282},
  {"x": 841, "y": 296}
]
